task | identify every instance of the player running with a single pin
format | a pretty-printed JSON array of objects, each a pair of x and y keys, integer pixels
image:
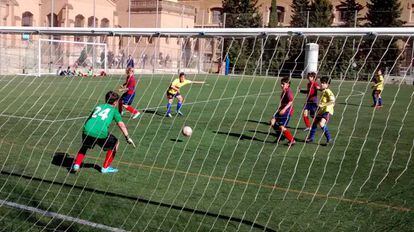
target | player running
[
  {"x": 377, "y": 88},
  {"x": 283, "y": 114},
  {"x": 129, "y": 93},
  {"x": 95, "y": 131},
  {"x": 325, "y": 110},
  {"x": 174, "y": 92},
  {"x": 311, "y": 104}
]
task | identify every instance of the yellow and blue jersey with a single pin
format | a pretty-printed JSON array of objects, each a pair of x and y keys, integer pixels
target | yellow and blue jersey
[
  {"x": 176, "y": 83},
  {"x": 379, "y": 83},
  {"x": 326, "y": 103}
]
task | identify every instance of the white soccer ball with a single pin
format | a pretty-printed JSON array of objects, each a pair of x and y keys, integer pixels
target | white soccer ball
[{"x": 187, "y": 131}]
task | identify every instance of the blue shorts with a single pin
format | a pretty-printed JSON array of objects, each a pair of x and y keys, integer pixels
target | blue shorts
[
  {"x": 127, "y": 98},
  {"x": 325, "y": 115},
  {"x": 282, "y": 119},
  {"x": 312, "y": 108},
  {"x": 170, "y": 95}
]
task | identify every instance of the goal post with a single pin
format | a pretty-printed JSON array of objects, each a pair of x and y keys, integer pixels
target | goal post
[{"x": 55, "y": 53}]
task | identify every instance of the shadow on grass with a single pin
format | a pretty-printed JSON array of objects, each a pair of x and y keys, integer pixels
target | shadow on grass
[
  {"x": 242, "y": 136},
  {"x": 177, "y": 140},
  {"x": 62, "y": 159},
  {"x": 259, "y": 122},
  {"x": 268, "y": 124},
  {"x": 154, "y": 112},
  {"x": 140, "y": 199}
]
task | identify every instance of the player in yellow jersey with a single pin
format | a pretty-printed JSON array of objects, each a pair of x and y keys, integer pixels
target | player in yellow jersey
[
  {"x": 325, "y": 110},
  {"x": 174, "y": 92},
  {"x": 377, "y": 88}
]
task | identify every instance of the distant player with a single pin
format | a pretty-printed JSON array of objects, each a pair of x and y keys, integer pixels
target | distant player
[
  {"x": 325, "y": 110},
  {"x": 174, "y": 92},
  {"x": 283, "y": 114},
  {"x": 95, "y": 131},
  {"x": 311, "y": 104},
  {"x": 129, "y": 93},
  {"x": 377, "y": 89}
]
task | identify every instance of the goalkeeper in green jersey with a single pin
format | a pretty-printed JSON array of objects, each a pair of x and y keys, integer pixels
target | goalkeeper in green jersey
[{"x": 95, "y": 131}]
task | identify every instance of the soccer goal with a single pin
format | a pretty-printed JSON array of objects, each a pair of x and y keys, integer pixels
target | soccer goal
[
  {"x": 342, "y": 162},
  {"x": 63, "y": 57}
]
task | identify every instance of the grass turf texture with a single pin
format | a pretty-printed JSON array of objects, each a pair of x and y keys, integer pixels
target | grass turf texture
[{"x": 230, "y": 175}]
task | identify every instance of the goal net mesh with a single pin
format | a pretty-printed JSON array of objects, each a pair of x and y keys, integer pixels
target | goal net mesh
[{"x": 232, "y": 174}]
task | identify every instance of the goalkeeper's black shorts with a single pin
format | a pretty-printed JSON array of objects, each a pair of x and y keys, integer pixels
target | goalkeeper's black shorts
[{"x": 107, "y": 143}]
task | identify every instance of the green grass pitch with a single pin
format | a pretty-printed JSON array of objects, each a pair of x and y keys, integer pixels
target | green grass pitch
[{"x": 229, "y": 176}]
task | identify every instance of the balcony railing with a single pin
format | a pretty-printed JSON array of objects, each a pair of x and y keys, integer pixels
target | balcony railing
[{"x": 166, "y": 6}]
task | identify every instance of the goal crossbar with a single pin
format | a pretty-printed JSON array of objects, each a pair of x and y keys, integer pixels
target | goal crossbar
[{"x": 207, "y": 32}]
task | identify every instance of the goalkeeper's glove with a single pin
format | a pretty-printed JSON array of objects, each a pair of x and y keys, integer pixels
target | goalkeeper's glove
[{"x": 130, "y": 141}]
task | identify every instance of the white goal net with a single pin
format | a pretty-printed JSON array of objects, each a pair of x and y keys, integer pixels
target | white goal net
[{"x": 235, "y": 172}]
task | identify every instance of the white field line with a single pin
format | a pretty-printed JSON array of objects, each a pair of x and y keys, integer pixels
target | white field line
[
  {"x": 58, "y": 216},
  {"x": 151, "y": 108}
]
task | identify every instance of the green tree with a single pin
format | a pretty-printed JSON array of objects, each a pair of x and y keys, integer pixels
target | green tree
[
  {"x": 321, "y": 13},
  {"x": 273, "y": 18},
  {"x": 242, "y": 14},
  {"x": 350, "y": 9},
  {"x": 300, "y": 9},
  {"x": 383, "y": 13}
]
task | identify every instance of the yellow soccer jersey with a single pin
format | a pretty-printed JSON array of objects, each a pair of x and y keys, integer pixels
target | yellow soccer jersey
[
  {"x": 379, "y": 85},
  {"x": 326, "y": 104},
  {"x": 178, "y": 84}
]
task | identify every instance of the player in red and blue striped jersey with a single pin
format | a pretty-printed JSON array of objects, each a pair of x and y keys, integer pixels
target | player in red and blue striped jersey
[
  {"x": 283, "y": 114},
  {"x": 129, "y": 93},
  {"x": 311, "y": 104}
]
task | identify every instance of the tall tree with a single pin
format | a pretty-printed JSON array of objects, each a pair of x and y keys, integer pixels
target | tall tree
[
  {"x": 273, "y": 17},
  {"x": 321, "y": 13},
  {"x": 242, "y": 14},
  {"x": 383, "y": 13},
  {"x": 350, "y": 9},
  {"x": 300, "y": 9}
]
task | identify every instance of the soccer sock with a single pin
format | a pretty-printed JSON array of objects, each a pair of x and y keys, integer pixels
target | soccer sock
[
  {"x": 131, "y": 109},
  {"x": 312, "y": 132},
  {"x": 79, "y": 158},
  {"x": 288, "y": 135},
  {"x": 380, "y": 101},
  {"x": 179, "y": 104},
  {"x": 326, "y": 133},
  {"x": 110, "y": 154},
  {"x": 168, "y": 108},
  {"x": 307, "y": 121}
]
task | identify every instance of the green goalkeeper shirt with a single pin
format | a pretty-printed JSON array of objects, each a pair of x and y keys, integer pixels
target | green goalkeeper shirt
[{"x": 98, "y": 123}]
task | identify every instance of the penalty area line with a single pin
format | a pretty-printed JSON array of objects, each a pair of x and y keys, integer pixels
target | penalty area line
[{"x": 58, "y": 216}]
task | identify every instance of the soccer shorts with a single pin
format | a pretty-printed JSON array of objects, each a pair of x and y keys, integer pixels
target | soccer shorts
[
  {"x": 107, "y": 143},
  {"x": 127, "y": 98},
  {"x": 319, "y": 117},
  {"x": 312, "y": 108},
  {"x": 282, "y": 119},
  {"x": 376, "y": 92},
  {"x": 170, "y": 95}
]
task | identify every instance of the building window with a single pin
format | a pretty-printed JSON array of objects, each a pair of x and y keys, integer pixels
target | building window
[
  {"x": 55, "y": 20},
  {"x": 216, "y": 17},
  {"x": 344, "y": 13},
  {"x": 27, "y": 19},
  {"x": 412, "y": 13},
  {"x": 91, "y": 22},
  {"x": 79, "y": 22}
]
